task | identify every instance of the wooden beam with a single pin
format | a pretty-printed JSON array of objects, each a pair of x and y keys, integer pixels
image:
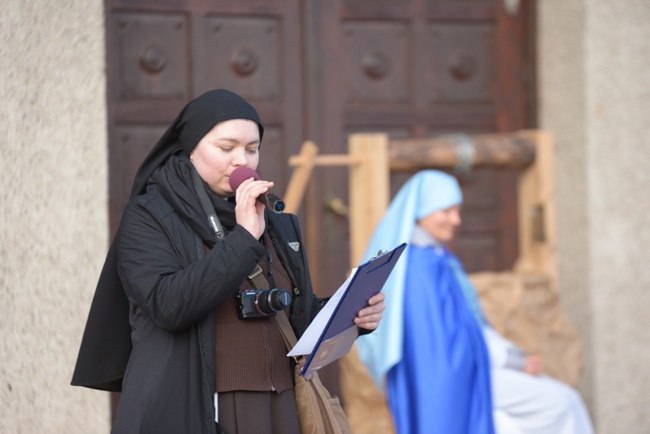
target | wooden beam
[
  {"x": 327, "y": 160},
  {"x": 512, "y": 150}
]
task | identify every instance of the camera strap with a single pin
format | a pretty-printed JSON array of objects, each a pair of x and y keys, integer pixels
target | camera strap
[
  {"x": 209, "y": 210},
  {"x": 258, "y": 281},
  {"x": 288, "y": 335}
]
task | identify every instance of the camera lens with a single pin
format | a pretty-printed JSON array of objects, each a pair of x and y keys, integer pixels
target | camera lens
[{"x": 273, "y": 300}]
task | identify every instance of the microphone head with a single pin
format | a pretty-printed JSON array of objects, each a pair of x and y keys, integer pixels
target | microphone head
[{"x": 241, "y": 174}]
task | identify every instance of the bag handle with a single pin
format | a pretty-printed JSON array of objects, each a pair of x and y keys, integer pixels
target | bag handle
[{"x": 287, "y": 332}]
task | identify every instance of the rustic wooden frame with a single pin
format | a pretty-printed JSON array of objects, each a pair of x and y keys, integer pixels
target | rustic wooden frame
[{"x": 371, "y": 158}]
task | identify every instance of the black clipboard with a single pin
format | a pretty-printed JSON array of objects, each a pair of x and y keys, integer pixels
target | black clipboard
[{"x": 339, "y": 334}]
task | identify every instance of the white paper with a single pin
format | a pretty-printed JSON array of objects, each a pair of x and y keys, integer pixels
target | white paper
[{"x": 309, "y": 339}]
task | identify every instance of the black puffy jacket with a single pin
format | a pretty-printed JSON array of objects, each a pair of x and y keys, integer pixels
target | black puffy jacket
[{"x": 173, "y": 287}]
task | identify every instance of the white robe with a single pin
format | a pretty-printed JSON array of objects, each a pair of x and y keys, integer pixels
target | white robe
[{"x": 529, "y": 404}]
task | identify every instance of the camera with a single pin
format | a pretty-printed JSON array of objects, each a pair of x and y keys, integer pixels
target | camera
[{"x": 260, "y": 303}]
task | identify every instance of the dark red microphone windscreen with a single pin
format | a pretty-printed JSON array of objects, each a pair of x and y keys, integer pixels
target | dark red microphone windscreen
[{"x": 241, "y": 174}]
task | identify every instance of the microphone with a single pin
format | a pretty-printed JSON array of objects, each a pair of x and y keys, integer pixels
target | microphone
[{"x": 270, "y": 200}]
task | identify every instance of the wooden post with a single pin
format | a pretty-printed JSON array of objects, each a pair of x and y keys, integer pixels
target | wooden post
[
  {"x": 537, "y": 214},
  {"x": 369, "y": 197},
  {"x": 369, "y": 189},
  {"x": 300, "y": 178}
]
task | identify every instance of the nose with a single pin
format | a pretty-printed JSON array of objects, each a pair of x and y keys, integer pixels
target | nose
[
  {"x": 239, "y": 158},
  {"x": 455, "y": 219}
]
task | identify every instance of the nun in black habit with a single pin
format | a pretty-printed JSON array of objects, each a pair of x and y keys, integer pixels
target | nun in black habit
[{"x": 164, "y": 328}]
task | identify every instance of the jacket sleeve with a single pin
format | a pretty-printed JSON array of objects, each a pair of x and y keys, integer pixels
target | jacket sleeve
[
  {"x": 503, "y": 353},
  {"x": 173, "y": 295}
]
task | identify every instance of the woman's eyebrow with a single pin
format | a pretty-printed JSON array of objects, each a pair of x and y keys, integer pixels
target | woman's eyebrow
[
  {"x": 226, "y": 139},
  {"x": 235, "y": 141}
]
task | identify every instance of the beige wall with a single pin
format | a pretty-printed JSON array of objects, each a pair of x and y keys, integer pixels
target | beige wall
[
  {"x": 53, "y": 218},
  {"x": 594, "y": 94},
  {"x": 594, "y": 88}
]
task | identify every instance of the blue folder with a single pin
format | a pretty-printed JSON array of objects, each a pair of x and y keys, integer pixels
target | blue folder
[{"x": 339, "y": 334}]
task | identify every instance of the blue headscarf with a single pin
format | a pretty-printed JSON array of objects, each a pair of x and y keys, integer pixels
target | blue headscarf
[{"x": 426, "y": 192}]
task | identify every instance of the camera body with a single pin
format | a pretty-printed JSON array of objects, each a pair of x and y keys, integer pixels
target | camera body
[{"x": 261, "y": 303}]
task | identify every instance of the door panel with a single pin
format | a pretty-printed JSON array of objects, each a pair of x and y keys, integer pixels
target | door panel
[
  {"x": 461, "y": 66},
  {"x": 152, "y": 56},
  {"x": 376, "y": 57}
]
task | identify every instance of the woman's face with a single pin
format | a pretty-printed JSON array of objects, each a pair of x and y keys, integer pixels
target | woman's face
[
  {"x": 227, "y": 146},
  {"x": 442, "y": 224}
]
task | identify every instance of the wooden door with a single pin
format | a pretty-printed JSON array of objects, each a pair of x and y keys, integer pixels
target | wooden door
[
  {"x": 321, "y": 70},
  {"x": 416, "y": 68}
]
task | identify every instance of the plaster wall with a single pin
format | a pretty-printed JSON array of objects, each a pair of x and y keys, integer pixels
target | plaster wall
[
  {"x": 594, "y": 88},
  {"x": 53, "y": 216}
]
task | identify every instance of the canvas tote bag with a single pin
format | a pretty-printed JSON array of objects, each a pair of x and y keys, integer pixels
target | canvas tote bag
[{"x": 318, "y": 411}]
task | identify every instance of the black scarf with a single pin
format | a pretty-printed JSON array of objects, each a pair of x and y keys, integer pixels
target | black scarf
[{"x": 175, "y": 182}]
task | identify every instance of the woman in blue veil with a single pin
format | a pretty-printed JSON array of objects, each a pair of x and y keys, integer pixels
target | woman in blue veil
[
  {"x": 429, "y": 352},
  {"x": 443, "y": 367}
]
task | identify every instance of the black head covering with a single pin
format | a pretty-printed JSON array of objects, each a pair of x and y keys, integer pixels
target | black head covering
[
  {"x": 192, "y": 123},
  {"x": 106, "y": 343}
]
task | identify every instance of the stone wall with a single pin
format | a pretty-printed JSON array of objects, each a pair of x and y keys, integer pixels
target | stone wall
[
  {"x": 53, "y": 218},
  {"x": 594, "y": 94}
]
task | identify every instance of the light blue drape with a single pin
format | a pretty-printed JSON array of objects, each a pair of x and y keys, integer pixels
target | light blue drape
[{"x": 442, "y": 383}]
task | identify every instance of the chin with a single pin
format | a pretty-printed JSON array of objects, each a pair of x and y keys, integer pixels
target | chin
[{"x": 447, "y": 238}]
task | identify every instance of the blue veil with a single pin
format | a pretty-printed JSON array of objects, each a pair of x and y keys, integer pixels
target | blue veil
[{"x": 424, "y": 193}]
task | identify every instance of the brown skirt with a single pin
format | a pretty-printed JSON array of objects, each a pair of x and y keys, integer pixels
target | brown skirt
[{"x": 243, "y": 412}]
